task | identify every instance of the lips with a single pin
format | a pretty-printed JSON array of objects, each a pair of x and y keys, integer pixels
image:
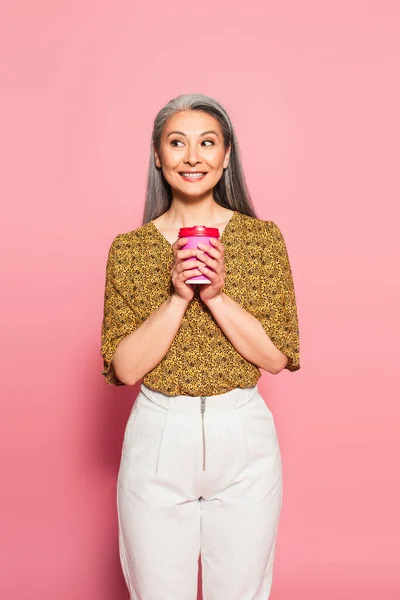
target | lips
[{"x": 193, "y": 175}]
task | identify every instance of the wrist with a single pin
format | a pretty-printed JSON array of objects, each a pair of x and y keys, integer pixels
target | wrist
[
  {"x": 176, "y": 300},
  {"x": 215, "y": 301}
]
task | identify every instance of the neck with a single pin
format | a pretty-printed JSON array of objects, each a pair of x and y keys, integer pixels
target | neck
[{"x": 196, "y": 212}]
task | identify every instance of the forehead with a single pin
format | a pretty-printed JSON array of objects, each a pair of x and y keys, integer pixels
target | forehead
[{"x": 192, "y": 122}]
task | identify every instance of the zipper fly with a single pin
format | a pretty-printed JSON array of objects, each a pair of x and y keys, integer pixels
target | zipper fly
[{"x": 203, "y": 409}]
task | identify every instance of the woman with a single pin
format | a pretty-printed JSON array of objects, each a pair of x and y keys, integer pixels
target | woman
[{"x": 200, "y": 468}]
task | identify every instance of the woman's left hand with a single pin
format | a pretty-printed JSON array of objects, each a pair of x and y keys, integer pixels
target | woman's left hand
[{"x": 213, "y": 269}]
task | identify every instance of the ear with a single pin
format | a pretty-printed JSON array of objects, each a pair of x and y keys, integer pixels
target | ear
[
  {"x": 157, "y": 159},
  {"x": 227, "y": 155}
]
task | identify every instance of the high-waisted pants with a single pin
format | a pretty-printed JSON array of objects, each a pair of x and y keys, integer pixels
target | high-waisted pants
[{"x": 199, "y": 476}]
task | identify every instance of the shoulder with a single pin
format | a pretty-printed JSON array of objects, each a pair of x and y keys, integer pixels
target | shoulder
[
  {"x": 273, "y": 232},
  {"x": 127, "y": 241},
  {"x": 126, "y": 248},
  {"x": 264, "y": 230}
]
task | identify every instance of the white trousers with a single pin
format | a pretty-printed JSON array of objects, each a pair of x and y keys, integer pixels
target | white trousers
[{"x": 199, "y": 476}]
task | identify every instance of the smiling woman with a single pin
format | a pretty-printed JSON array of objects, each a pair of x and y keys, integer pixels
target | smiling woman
[{"x": 199, "y": 431}]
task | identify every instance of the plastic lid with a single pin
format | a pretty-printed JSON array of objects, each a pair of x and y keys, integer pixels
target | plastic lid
[{"x": 198, "y": 230}]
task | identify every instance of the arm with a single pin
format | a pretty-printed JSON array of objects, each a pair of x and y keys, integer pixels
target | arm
[
  {"x": 130, "y": 350},
  {"x": 270, "y": 337},
  {"x": 143, "y": 349},
  {"x": 278, "y": 311},
  {"x": 246, "y": 334}
]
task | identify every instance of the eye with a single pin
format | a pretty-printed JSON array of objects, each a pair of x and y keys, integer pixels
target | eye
[{"x": 173, "y": 142}]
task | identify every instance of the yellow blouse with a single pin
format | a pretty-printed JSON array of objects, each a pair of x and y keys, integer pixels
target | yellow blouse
[{"x": 201, "y": 361}]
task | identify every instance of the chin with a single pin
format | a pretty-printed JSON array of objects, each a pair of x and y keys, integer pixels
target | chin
[{"x": 195, "y": 193}]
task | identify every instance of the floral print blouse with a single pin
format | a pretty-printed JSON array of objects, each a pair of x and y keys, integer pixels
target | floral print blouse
[{"x": 201, "y": 361}]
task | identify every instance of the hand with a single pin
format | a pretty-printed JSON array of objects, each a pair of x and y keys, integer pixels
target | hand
[
  {"x": 213, "y": 267},
  {"x": 184, "y": 269}
]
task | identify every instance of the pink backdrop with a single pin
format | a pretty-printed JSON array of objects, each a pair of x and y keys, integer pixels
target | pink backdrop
[{"x": 313, "y": 91}]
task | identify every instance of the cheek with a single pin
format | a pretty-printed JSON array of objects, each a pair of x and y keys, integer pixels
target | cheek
[
  {"x": 170, "y": 163},
  {"x": 216, "y": 159},
  {"x": 171, "y": 178},
  {"x": 169, "y": 160},
  {"x": 169, "y": 156}
]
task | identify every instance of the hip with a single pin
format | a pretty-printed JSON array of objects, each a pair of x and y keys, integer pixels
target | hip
[{"x": 198, "y": 434}]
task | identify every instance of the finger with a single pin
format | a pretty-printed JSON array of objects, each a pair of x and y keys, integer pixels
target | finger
[
  {"x": 209, "y": 272},
  {"x": 217, "y": 244},
  {"x": 178, "y": 244},
  {"x": 188, "y": 252},
  {"x": 188, "y": 264},
  {"x": 210, "y": 262},
  {"x": 211, "y": 251},
  {"x": 190, "y": 273},
  {"x": 182, "y": 275}
]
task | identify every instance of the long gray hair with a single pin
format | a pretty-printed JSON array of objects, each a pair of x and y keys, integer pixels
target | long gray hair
[{"x": 231, "y": 190}]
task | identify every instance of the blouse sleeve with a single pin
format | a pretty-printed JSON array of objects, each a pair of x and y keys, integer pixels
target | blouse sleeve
[
  {"x": 119, "y": 317},
  {"x": 279, "y": 317}
]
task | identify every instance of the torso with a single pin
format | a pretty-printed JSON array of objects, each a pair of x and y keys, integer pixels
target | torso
[{"x": 201, "y": 360}]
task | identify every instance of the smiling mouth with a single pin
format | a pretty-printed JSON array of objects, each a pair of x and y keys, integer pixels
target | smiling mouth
[{"x": 193, "y": 176}]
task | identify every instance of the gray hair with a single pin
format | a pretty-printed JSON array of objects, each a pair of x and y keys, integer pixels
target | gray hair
[{"x": 231, "y": 190}]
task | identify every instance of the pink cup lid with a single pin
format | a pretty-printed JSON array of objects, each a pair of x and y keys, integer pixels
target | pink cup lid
[{"x": 199, "y": 230}]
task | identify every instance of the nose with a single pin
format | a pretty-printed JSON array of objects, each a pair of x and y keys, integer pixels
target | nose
[{"x": 193, "y": 155}]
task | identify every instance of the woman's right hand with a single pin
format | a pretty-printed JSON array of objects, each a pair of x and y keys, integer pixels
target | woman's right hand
[{"x": 184, "y": 269}]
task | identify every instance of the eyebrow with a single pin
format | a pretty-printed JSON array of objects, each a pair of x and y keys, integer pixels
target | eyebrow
[{"x": 204, "y": 133}]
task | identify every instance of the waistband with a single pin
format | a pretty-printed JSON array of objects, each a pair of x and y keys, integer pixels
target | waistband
[{"x": 219, "y": 402}]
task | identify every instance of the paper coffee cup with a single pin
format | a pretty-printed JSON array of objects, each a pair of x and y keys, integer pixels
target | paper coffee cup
[{"x": 199, "y": 234}]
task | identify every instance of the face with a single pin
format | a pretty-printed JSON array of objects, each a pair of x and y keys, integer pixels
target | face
[{"x": 192, "y": 142}]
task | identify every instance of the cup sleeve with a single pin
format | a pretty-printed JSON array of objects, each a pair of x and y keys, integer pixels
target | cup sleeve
[
  {"x": 118, "y": 316},
  {"x": 279, "y": 311}
]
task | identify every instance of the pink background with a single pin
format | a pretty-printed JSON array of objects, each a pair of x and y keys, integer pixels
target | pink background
[{"x": 313, "y": 90}]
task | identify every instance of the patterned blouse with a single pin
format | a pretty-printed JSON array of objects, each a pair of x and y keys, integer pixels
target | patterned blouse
[{"x": 201, "y": 361}]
